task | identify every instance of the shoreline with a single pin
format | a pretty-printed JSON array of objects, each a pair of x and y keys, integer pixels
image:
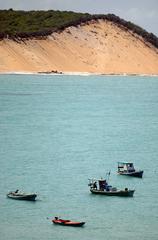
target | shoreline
[
  {"x": 78, "y": 74},
  {"x": 108, "y": 50}
]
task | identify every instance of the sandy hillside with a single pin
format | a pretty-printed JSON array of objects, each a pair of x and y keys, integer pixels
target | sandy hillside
[{"x": 97, "y": 47}]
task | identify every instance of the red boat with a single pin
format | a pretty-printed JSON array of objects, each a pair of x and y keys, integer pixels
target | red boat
[{"x": 63, "y": 222}]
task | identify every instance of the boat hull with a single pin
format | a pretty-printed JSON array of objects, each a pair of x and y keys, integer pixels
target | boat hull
[
  {"x": 68, "y": 223},
  {"x": 138, "y": 174},
  {"x": 120, "y": 193},
  {"x": 28, "y": 197}
]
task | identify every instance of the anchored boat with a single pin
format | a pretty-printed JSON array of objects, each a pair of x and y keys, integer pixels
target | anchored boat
[
  {"x": 127, "y": 168},
  {"x": 17, "y": 195},
  {"x": 63, "y": 222},
  {"x": 102, "y": 187}
]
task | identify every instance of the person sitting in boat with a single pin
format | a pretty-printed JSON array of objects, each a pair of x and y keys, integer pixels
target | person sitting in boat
[{"x": 16, "y": 192}]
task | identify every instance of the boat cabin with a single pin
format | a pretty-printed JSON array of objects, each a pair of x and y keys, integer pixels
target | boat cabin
[
  {"x": 100, "y": 184},
  {"x": 125, "y": 167}
]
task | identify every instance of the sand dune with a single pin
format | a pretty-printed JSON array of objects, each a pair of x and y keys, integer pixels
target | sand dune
[{"x": 96, "y": 47}]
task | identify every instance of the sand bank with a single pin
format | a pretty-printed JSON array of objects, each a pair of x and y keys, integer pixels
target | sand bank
[{"x": 95, "y": 48}]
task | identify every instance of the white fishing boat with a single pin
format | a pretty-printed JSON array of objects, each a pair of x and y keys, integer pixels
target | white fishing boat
[
  {"x": 127, "y": 169},
  {"x": 17, "y": 195},
  {"x": 101, "y": 186}
]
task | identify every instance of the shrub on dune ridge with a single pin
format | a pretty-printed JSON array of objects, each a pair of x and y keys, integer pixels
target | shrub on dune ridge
[{"x": 35, "y": 24}]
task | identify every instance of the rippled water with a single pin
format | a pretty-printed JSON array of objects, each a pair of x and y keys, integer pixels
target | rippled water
[{"x": 58, "y": 131}]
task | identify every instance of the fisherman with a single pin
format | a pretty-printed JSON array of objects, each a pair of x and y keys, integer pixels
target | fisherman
[
  {"x": 102, "y": 184},
  {"x": 130, "y": 167},
  {"x": 95, "y": 185}
]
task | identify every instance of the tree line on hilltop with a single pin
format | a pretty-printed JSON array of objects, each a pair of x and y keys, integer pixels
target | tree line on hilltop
[{"x": 34, "y": 24}]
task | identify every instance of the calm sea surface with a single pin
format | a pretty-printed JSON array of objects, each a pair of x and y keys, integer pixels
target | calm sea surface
[{"x": 58, "y": 131}]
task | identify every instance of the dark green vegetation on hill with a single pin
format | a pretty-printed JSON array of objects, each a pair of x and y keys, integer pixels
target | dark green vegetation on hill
[{"x": 28, "y": 24}]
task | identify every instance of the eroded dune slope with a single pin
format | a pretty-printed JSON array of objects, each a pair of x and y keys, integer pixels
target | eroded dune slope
[{"x": 95, "y": 47}]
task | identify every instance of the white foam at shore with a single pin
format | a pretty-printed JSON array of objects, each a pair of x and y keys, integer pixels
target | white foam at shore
[{"x": 78, "y": 74}]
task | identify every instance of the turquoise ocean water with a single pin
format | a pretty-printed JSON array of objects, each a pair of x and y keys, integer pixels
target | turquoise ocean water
[{"x": 58, "y": 131}]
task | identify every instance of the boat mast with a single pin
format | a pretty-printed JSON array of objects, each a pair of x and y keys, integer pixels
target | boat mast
[{"x": 108, "y": 175}]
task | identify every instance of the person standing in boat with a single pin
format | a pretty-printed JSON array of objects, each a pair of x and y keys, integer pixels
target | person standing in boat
[
  {"x": 95, "y": 185},
  {"x": 130, "y": 167},
  {"x": 102, "y": 184}
]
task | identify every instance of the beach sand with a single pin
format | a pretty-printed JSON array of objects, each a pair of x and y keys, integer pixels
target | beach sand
[{"x": 97, "y": 47}]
